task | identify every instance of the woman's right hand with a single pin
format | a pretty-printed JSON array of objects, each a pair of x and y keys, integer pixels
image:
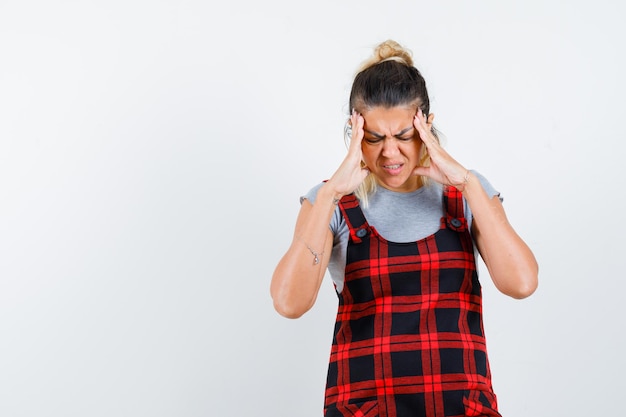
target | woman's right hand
[
  {"x": 351, "y": 173},
  {"x": 297, "y": 278}
]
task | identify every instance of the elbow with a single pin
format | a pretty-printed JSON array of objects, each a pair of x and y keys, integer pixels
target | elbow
[
  {"x": 523, "y": 291},
  {"x": 290, "y": 300},
  {"x": 526, "y": 284},
  {"x": 288, "y": 304},
  {"x": 288, "y": 310}
]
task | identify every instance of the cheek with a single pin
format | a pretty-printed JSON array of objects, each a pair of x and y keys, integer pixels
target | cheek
[
  {"x": 369, "y": 154},
  {"x": 416, "y": 147}
]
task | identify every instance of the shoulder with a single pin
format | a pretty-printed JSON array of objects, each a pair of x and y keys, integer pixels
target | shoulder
[
  {"x": 487, "y": 186},
  {"x": 312, "y": 193}
]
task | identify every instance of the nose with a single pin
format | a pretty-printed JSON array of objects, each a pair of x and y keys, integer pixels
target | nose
[{"x": 390, "y": 147}]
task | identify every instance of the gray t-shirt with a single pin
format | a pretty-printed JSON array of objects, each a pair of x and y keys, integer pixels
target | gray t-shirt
[{"x": 398, "y": 217}]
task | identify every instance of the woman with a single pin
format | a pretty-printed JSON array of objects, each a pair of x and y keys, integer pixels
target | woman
[{"x": 406, "y": 220}]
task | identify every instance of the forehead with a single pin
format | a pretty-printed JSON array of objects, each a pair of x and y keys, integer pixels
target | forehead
[{"x": 390, "y": 120}]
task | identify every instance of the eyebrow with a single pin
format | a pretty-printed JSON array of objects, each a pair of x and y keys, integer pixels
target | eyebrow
[{"x": 379, "y": 136}]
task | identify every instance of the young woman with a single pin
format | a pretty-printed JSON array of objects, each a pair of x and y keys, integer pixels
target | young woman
[{"x": 398, "y": 226}]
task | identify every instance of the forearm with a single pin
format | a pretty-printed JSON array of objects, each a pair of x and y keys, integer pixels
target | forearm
[
  {"x": 511, "y": 263},
  {"x": 298, "y": 275}
]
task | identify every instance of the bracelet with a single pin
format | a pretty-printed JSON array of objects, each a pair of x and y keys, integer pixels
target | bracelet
[{"x": 316, "y": 256}]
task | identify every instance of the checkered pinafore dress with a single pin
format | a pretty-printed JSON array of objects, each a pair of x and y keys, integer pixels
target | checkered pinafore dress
[{"x": 408, "y": 337}]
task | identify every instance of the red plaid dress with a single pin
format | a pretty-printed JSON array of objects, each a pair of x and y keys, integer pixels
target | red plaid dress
[{"x": 408, "y": 337}]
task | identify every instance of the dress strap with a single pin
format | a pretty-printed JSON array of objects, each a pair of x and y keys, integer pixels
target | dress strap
[
  {"x": 355, "y": 219},
  {"x": 453, "y": 207}
]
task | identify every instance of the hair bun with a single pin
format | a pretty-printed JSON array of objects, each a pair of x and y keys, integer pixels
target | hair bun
[
  {"x": 388, "y": 50},
  {"x": 391, "y": 49}
]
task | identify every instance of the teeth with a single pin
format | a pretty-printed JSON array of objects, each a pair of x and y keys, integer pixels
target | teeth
[{"x": 393, "y": 166}]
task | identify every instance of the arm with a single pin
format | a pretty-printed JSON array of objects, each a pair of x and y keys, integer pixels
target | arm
[
  {"x": 511, "y": 264},
  {"x": 297, "y": 278}
]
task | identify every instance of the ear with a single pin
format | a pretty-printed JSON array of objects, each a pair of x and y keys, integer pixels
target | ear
[{"x": 430, "y": 118}]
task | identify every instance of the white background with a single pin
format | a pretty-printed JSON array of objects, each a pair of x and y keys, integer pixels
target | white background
[{"x": 152, "y": 154}]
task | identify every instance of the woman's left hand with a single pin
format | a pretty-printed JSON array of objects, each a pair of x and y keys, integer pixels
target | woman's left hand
[
  {"x": 511, "y": 263},
  {"x": 443, "y": 168}
]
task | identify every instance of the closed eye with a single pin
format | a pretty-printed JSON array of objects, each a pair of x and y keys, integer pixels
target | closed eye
[
  {"x": 373, "y": 141},
  {"x": 405, "y": 138}
]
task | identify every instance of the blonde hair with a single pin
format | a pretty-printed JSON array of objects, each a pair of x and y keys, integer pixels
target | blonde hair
[
  {"x": 388, "y": 50},
  {"x": 389, "y": 79}
]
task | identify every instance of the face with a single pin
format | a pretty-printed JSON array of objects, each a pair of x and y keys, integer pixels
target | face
[{"x": 391, "y": 147}]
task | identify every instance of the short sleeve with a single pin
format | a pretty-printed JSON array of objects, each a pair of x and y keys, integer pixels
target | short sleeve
[{"x": 337, "y": 219}]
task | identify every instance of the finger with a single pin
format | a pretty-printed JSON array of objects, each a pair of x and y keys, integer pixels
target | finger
[
  {"x": 421, "y": 122},
  {"x": 357, "y": 122},
  {"x": 424, "y": 129},
  {"x": 364, "y": 173},
  {"x": 422, "y": 171}
]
